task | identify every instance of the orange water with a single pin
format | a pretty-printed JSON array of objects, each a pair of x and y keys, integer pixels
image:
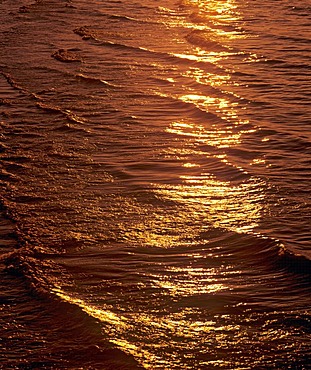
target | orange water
[{"x": 155, "y": 162}]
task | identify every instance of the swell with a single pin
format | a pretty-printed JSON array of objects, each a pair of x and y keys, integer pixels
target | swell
[
  {"x": 33, "y": 265},
  {"x": 271, "y": 252},
  {"x": 193, "y": 110},
  {"x": 125, "y": 18},
  {"x": 74, "y": 337},
  {"x": 250, "y": 250},
  {"x": 261, "y": 259},
  {"x": 87, "y": 33},
  {"x": 95, "y": 81},
  {"x": 296, "y": 262},
  {"x": 74, "y": 122},
  {"x": 257, "y": 253},
  {"x": 28, "y": 269},
  {"x": 205, "y": 39}
]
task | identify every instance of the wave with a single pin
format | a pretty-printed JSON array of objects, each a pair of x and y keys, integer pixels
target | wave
[
  {"x": 74, "y": 121},
  {"x": 71, "y": 117},
  {"x": 250, "y": 251},
  {"x": 37, "y": 267},
  {"x": 204, "y": 39},
  {"x": 87, "y": 33},
  {"x": 300, "y": 40},
  {"x": 194, "y": 107},
  {"x": 67, "y": 56},
  {"x": 260, "y": 252},
  {"x": 125, "y": 18},
  {"x": 294, "y": 261},
  {"x": 282, "y": 64},
  {"x": 70, "y": 321},
  {"x": 198, "y": 17},
  {"x": 302, "y": 11},
  {"x": 96, "y": 81},
  {"x": 40, "y": 103}
]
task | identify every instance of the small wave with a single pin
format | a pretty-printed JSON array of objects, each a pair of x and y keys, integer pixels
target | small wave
[
  {"x": 300, "y": 11},
  {"x": 84, "y": 32},
  {"x": 66, "y": 127},
  {"x": 96, "y": 81},
  {"x": 194, "y": 110},
  {"x": 70, "y": 321},
  {"x": 12, "y": 82},
  {"x": 88, "y": 34},
  {"x": 198, "y": 18},
  {"x": 14, "y": 167},
  {"x": 7, "y": 176},
  {"x": 263, "y": 252},
  {"x": 125, "y": 18},
  {"x": 171, "y": 12},
  {"x": 67, "y": 56},
  {"x": 121, "y": 17},
  {"x": 295, "y": 39},
  {"x": 49, "y": 108},
  {"x": 204, "y": 39},
  {"x": 70, "y": 116},
  {"x": 297, "y": 66},
  {"x": 294, "y": 261},
  {"x": 3, "y": 147},
  {"x": 284, "y": 141}
]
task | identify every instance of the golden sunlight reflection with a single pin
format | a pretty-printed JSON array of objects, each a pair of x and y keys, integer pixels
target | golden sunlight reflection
[
  {"x": 184, "y": 334},
  {"x": 223, "y": 195},
  {"x": 214, "y": 28},
  {"x": 208, "y": 78},
  {"x": 126, "y": 332},
  {"x": 190, "y": 281},
  {"x": 219, "y": 203},
  {"x": 205, "y": 201},
  {"x": 116, "y": 327},
  {"x": 215, "y": 13},
  {"x": 223, "y": 107},
  {"x": 220, "y": 138},
  {"x": 224, "y": 10},
  {"x": 206, "y": 57},
  {"x": 106, "y": 316}
]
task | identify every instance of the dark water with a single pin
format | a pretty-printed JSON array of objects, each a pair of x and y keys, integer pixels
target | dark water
[{"x": 155, "y": 184}]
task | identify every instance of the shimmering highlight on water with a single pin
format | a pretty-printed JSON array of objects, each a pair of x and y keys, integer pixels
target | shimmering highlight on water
[{"x": 155, "y": 168}]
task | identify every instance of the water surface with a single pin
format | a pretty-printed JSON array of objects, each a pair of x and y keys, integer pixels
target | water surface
[{"x": 155, "y": 167}]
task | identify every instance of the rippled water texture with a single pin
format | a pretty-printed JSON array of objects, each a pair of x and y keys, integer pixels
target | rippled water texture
[{"x": 155, "y": 181}]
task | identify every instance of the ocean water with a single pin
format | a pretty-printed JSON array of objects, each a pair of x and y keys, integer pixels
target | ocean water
[{"x": 155, "y": 184}]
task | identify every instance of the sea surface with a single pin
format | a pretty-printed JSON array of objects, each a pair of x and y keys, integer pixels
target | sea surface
[{"x": 155, "y": 167}]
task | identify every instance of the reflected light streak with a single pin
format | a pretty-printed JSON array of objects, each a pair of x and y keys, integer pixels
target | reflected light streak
[
  {"x": 221, "y": 10},
  {"x": 216, "y": 24},
  {"x": 220, "y": 138},
  {"x": 161, "y": 332},
  {"x": 185, "y": 288},
  {"x": 226, "y": 109},
  {"x": 206, "y": 78},
  {"x": 220, "y": 203},
  {"x": 225, "y": 204},
  {"x": 203, "y": 56},
  {"x": 106, "y": 316},
  {"x": 116, "y": 326},
  {"x": 190, "y": 281}
]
